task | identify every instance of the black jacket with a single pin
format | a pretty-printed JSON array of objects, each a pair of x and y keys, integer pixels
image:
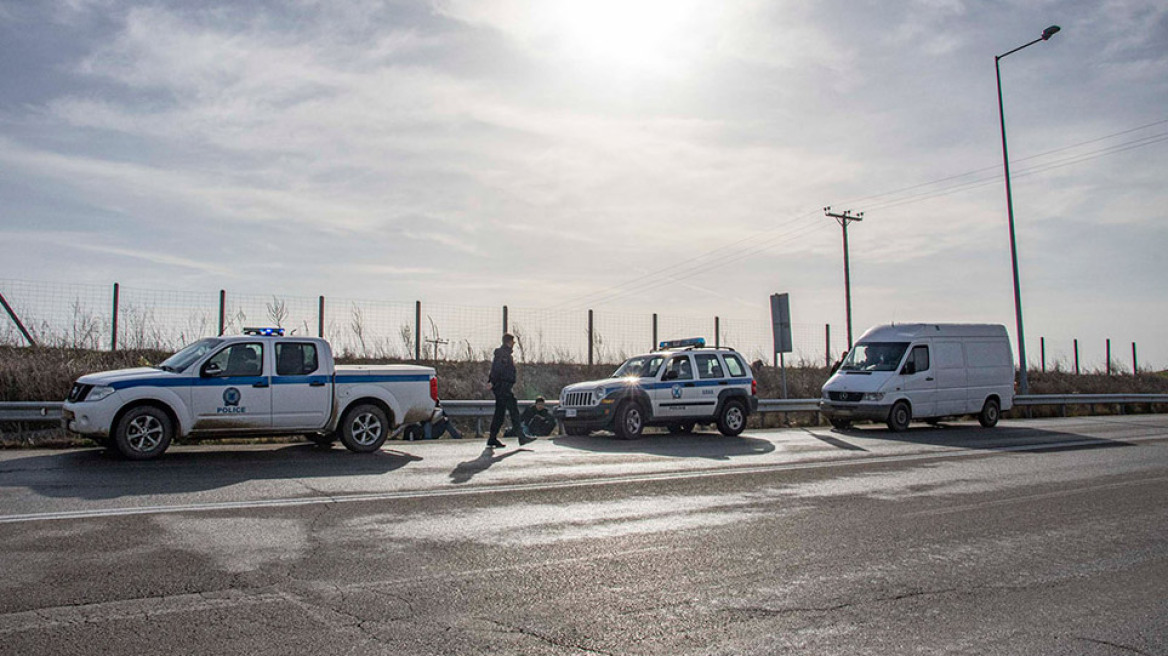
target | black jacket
[{"x": 502, "y": 374}]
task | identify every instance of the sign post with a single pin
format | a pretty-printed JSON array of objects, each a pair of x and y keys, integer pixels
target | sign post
[{"x": 781, "y": 323}]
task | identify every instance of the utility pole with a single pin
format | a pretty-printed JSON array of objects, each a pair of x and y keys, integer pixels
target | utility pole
[{"x": 844, "y": 219}]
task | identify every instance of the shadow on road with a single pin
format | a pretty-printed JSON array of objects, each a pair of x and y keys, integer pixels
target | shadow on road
[
  {"x": 972, "y": 436},
  {"x": 97, "y": 474},
  {"x": 714, "y": 446},
  {"x": 467, "y": 470}
]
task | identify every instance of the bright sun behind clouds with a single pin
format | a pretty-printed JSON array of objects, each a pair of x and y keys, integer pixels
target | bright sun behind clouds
[{"x": 650, "y": 36}]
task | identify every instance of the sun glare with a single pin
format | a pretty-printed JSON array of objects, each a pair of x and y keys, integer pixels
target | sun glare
[{"x": 659, "y": 35}]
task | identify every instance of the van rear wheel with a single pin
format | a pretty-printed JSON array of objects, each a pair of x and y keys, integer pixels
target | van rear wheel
[
  {"x": 899, "y": 417},
  {"x": 990, "y": 413}
]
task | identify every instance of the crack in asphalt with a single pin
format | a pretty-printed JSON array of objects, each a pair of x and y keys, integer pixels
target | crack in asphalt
[
  {"x": 762, "y": 611},
  {"x": 1116, "y": 645},
  {"x": 549, "y": 640}
]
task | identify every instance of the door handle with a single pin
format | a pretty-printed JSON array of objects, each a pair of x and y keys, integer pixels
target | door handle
[
  {"x": 929, "y": 378},
  {"x": 262, "y": 383},
  {"x": 316, "y": 383}
]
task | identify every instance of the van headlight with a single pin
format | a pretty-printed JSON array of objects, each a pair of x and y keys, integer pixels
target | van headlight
[
  {"x": 874, "y": 396},
  {"x": 99, "y": 392}
]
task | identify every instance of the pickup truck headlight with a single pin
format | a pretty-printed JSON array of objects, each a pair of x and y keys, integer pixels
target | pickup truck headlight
[
  {"x": 99, "y": 392},
  {"x": 874, "y": 396}
]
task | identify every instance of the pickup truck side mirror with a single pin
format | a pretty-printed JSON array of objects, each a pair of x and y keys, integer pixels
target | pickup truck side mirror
[
  {"x": 670, "y": 375},
  {"x": 212, "y": 369}
]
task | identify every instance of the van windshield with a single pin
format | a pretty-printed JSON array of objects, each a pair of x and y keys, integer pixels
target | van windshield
[{"x": 874, "y": 356}]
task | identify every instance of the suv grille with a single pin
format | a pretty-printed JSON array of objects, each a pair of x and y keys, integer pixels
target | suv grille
[
  {"x": 79, "y": 392},
  {"x": 578, "y": 398},
  {"x": 850, "y": 397}
]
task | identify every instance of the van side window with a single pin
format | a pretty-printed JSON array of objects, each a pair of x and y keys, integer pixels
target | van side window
[
  {"x": 295, "y": 359},
  {"x": 920, "y": 358},
  {"x": 734, "y": 366},
  {"x": 708, "y": 366}
]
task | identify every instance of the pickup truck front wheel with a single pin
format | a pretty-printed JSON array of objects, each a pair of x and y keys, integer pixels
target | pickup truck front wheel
[
  {"x": 143, "y": 433},
  {"x": 364, "y": 428}
]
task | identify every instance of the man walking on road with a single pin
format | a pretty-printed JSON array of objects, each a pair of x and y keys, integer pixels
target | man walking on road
[{"x": 501, "y": 380}]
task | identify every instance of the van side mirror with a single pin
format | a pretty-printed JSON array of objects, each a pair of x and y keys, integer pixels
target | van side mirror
[{"x": 909, "y": 369}]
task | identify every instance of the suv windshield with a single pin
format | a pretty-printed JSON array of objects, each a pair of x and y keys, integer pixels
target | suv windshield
[
  {"x": 645, "y": 366},
  {"x": 186, "y": 357},
  {"x": 874, "y": 356}
]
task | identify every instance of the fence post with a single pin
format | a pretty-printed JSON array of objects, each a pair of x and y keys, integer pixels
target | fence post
[
  {"x": 1042, "y": 348},
  {"x": 114, "y": 321},
  {"x": 16, "y": 320},
  {"x": 1076, "y": 357},
  {"x": 505, "y": 320},
  {"x": 655, "y": 342},
  {"x": 827, "y": 345},
  {"x": 717, "y": 332},
  {"x": 417, "y": 331},
  {"x": 1135, "y": 364},
  {"x": 320, "y": 319},
  {"x": 590, "y": 337},
  {"x": 1109, "y": 356},
  {"x": 222, "y": 310}
]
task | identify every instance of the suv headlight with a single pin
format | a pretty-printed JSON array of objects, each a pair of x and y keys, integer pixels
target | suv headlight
[
  {"x": 99, "y": 392},
  {"x": 598, "y": 394},
  {"x": 874, "y": 396}
]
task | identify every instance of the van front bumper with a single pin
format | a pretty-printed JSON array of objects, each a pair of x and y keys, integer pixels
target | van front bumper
[{"x": 855, "y": 411}]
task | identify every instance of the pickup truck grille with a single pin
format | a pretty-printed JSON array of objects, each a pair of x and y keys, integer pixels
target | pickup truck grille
[
  {"x": 578, "y": 398},
  {"x": 850, "y": 397},
  {"x": 79, "y": 392}
]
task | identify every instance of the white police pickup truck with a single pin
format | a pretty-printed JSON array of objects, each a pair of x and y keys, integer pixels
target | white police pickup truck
[
  {"x": 679, "y": 386},
  {"x": 260, "y": 383}
]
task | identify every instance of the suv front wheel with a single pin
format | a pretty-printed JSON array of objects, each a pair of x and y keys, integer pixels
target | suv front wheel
[{"x": 629, "y": 421}]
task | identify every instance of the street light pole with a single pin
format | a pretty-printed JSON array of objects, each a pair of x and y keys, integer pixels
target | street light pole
[
  {"x": 1023, "y": 381},
  {"x": 844, "y": 219}
]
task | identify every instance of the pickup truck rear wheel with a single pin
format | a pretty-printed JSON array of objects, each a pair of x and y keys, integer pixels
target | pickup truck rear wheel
[
  {"x": 364, "y": 428},
  {"x": 143, "y": 433}
]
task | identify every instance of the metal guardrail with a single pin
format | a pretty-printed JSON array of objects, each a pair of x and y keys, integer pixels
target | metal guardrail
[{"x": 48, "y": 411}]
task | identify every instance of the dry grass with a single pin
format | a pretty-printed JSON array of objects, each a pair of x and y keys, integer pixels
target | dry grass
[{"x": 46, "y": 374}]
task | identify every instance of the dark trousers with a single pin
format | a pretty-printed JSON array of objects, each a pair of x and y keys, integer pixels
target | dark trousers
[{"x": 504, "y": 403}]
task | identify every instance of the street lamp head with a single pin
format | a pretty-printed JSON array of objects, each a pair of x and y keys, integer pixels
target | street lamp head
[{"x": 1050, "y": 31}]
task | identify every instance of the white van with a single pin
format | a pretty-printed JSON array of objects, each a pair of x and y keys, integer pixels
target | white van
[{"x": 897, "y": 373}]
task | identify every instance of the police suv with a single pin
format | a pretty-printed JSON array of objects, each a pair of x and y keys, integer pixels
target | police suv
[
  {"x": 682, "y": 384},
  {"x": 260, "y": 383}
]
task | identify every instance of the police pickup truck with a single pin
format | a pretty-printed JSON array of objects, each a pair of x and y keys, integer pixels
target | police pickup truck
[
  {"x": 259, "y": 383},
  {"x": 681, "y": 385}
]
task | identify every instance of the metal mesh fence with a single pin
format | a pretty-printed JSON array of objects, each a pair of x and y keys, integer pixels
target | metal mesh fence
[{"x": 79, "y": 315}]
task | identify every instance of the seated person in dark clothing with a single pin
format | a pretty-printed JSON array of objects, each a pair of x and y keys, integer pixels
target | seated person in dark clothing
[{"x": 538, "y": 419}]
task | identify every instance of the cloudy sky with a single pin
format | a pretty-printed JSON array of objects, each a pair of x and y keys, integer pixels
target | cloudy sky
[{"x": 626, "y": 155}]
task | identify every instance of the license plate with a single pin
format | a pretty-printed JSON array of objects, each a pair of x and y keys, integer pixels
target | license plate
[{"x": 570, "y": 412}]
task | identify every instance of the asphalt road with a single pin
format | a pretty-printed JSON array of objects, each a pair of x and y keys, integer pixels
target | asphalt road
[{"x": 1038, "y": 537}]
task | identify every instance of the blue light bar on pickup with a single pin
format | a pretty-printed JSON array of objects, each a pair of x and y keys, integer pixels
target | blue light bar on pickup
[
  {"x": 698, "y": 342},
  {"x": 264, "y": 332}
]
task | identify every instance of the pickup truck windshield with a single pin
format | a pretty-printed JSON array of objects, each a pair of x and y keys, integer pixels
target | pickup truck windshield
[
  {"x": 189, "y": 355},
  {"x": 645, "y": 366},
  {"x": 874, "y": 356}
]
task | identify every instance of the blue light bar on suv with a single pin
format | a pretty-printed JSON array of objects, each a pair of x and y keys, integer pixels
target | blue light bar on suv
[{"x": 698, "y": 342}]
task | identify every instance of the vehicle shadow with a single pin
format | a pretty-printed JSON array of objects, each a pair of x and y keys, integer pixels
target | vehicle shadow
[
  {"x": 714, "y": 446},
  {"x": 98, "y": 474},
  {"x": 469, "y": 469},
  {"x": 969, "y": 435}
]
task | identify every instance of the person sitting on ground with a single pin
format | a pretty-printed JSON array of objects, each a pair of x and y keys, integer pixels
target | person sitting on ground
[
  {"x": 538, "y": 419},
  {"x": 433, "y": 429}
]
